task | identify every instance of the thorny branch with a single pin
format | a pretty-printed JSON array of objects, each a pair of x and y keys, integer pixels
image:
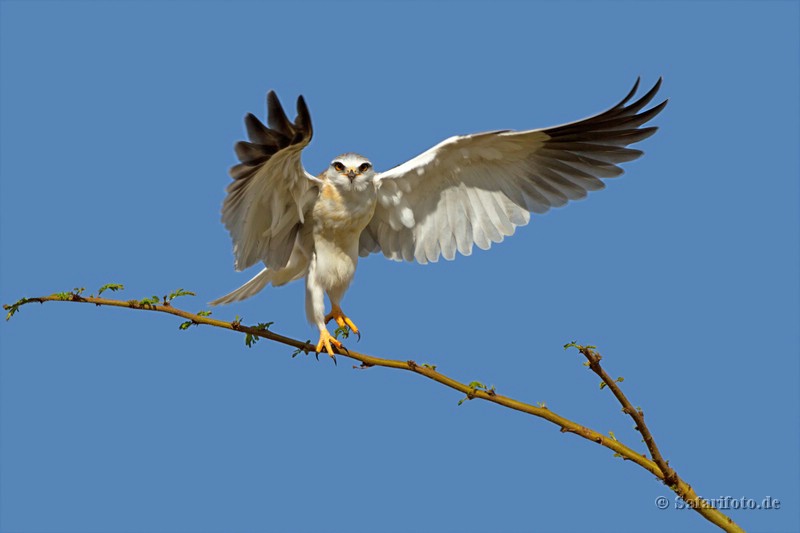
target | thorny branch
[
  {"x": 657, "y": 466},
  {"x": 670, "y": 477}
]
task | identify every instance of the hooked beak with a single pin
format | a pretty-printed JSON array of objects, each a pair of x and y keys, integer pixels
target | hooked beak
[{"x": 351, "y": 173}]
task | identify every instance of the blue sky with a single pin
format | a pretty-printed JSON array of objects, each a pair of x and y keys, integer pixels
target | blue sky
[{"x": 118, "y": 122}]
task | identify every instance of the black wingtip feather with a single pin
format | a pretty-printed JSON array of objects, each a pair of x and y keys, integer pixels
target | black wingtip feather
[
  {"x": 620, "y": 107},
  {"x": 630, "y": 93},
  {"x": 618, "y": 117},
  {"x": 276, "y": 116},
  {"x": 265, "y": 141},
  {"x": 250, "y": 153},
  {"x": 644, "y": 100},
  {"x": 257, "y": 132},
  {"x": 303, "y": 120},
  {"x": 653, "y": 111}
]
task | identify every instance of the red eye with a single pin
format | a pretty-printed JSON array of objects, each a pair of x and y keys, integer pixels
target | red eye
[
  {"x": 364, "y": 167},
  {"x": 337, "y": 166}
]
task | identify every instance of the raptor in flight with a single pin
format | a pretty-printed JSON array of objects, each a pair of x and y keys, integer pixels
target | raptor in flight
[{"x": 467, "y": 190}]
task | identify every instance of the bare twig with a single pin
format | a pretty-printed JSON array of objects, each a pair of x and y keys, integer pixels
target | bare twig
[
  {"x": 668, "y": 474},
  {"x": 670, "y": 477},
  {"x": 657, "y": 466}
]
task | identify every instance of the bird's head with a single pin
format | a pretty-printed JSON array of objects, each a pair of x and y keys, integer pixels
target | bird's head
[{"x": 350, "y": 171}]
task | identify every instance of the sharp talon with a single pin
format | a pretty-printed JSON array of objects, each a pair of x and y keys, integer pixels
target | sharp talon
[
  {"x": 334, "y": 360},
  {"x": 342, "y": 321},
  {"x": 350, "y": 324}
]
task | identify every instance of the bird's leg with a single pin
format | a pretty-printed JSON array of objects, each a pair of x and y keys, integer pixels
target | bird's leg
[
  {"x": 315, "y": 311},
  {"x": 341, "y": 319}
]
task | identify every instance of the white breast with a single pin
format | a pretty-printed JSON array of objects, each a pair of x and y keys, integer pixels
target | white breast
[{"x": 338, "y": 218}]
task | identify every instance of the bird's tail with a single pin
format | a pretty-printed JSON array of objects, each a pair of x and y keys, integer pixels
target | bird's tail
[
  {"x": 247, "y": 290},
  {"x": 296, "y": 269}
]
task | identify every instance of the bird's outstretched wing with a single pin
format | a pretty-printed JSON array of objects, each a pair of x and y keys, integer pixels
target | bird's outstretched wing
[
  {"x": 264, "y": 207},
  {"x": 476, "y": 189}
]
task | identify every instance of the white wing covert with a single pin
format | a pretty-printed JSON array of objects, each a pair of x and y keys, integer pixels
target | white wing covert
[
  {"x": 476, "y": 189},
  {"x": 265, "y": 204}
]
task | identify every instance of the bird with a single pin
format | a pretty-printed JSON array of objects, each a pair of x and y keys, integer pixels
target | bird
[{"x": 466, "y": 191}]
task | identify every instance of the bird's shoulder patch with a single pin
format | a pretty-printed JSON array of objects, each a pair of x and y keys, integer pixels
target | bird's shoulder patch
[{"x": 330, "y": 193}]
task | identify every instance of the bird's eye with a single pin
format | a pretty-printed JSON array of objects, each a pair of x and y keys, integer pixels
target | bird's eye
[
  {"x": 364, "y": 167},
  {"x": 337, "y": 166}
]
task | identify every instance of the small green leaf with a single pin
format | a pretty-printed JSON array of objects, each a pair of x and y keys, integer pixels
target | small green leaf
[
  {"x": 462, "y": 400},
  {"x": 426, "y": 365},
  {"x": 153, "y": 300},
  {"x": 476, "y": 385},
  {"x": 189, "y": 323},
  {"x": 179, "y": 292},
  {"x": 113, "y": 287},
  {"x": 250, "y": 340},
  {"x": 63, "y": 295},
  {"x": 342, "y": 331},
  {"x": 602, "y": 385},
  {"x": 297, "y": 352},
  {"x": 302, "y": 350},
  {"x": 620, "y": 379},
  {"x": 13, "y": 309},
  {"x": 612, "y": 435}
]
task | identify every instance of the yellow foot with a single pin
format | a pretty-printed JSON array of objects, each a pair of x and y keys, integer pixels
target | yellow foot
[
  {"x": 326, "y": 340},
  {"x": 340, "y": 318}
]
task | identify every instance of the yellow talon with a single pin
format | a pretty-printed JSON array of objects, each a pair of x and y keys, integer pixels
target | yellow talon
[
  {"x": 326, "y": 340},
  {"x": 352, "y": 326},
  {"x": 341, "y": 319}
]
